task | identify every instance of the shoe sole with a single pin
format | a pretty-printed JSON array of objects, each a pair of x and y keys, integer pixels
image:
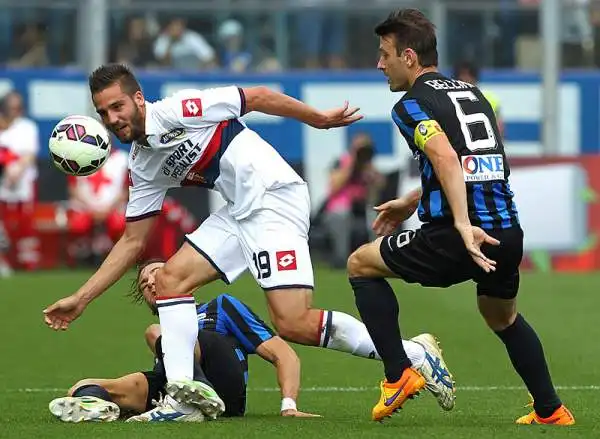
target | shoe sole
[
  {"x": 429, "y": 341},
  {"x": 197, "y": 394},
  {"x": 70, "y": 409},
  {"x": 199, "y": 417}
]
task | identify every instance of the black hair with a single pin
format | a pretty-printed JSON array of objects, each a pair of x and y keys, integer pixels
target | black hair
[
  {"x": 135, "y": 292},
  {"x": 109, "y": 74},
  {"x": 412, "y": 30}
]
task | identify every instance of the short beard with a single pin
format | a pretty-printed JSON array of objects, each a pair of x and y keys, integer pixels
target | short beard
[{"x": 137, "y": 127}]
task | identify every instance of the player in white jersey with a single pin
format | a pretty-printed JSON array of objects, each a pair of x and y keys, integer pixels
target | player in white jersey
[{"x": 195, "y": 138}]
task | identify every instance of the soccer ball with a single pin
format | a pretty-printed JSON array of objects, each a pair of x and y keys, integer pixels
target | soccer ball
[{"x": 79, "y": 145}]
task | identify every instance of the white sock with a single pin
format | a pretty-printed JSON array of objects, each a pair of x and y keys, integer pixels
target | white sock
[
  {"x": 342, "y": 332},
  {"x": 179, "y": 330}
]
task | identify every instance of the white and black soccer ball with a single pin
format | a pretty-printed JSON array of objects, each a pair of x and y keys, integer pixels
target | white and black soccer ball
[{"x": 79, "y": 145}]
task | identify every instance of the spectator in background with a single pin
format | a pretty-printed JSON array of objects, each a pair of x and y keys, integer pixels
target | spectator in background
[
  {"x": 136, "y": 49},
  {"x": 98, "y": 202},
  {"x": 183, "y": 49},
  {"x": 353, "y": 184},
  {"x": 19, "y": 139},
  {"x": 31, "y": 47},
  {"x": 6, "y": 159},
  {"x": 469, "y": 72},
  {"x": 321, "y": 30},
  {"x": 233, "y": 55}
]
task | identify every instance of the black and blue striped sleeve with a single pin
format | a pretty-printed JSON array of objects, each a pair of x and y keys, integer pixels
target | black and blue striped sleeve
[
  {"x": 407, "y": 114},
  {"x": 243, "y": 324},
  {"x": 416, "y": 122}
]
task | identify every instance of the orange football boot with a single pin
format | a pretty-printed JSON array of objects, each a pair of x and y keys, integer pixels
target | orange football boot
[
  {"x": 393, "y": 395},
  {"x": 561, "y": 416}
]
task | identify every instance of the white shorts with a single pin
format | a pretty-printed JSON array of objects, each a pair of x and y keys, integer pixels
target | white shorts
[{"x": 272, "y": 242}]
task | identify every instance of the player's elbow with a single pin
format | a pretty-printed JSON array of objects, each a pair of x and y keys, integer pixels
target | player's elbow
[{"x": 135, "y": 244}]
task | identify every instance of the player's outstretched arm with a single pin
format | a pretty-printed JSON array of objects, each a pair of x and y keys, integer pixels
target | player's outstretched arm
[
  {"x": 287, "y": 363},
  {"x": 122, "y": 257},
  {"x": 268, "y": 101}
]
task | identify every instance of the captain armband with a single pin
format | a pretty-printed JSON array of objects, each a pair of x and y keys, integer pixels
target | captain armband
[{"x": 425, "y": 130}]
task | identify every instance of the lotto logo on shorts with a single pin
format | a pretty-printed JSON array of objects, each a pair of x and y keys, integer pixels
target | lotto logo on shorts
[
  {"x": 191, "y": 107},
  {"x": 286, "y": 260}
]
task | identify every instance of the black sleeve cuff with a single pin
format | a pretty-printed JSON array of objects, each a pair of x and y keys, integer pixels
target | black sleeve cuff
[
  {"x": 131, "y": 219},
  {"x": 243, "y": 101}
]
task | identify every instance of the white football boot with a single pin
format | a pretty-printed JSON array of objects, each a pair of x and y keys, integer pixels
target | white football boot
[
  {"x": 438, "y": 379},
  {"x": 84, "y": 409},
  {"x": 198, "y": 394},
  {"x": 169, "y": 410}
]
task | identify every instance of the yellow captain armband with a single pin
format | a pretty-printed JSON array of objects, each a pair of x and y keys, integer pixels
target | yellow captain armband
[{"x": 425, "y": 131}]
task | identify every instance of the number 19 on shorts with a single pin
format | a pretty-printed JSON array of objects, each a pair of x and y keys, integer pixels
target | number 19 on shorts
[{"x": 262, "y": 262}]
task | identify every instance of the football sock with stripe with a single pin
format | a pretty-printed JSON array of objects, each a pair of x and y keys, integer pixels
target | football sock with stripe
[
  {"x": 179, "y": 330},
  {"x": 527, "y": 356},
  {"x": 342, "y": 332},
  {"x": 378, "y": 308},
  {"x": 92, "y": 390}
]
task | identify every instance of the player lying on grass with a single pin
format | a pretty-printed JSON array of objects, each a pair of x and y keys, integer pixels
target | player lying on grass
[
  {"x": 229, "y": 332},
  {"x": 216, "y": 366},
  {"x": 229, "y": 316}
]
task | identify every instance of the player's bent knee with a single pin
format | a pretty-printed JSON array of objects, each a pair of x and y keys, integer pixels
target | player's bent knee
[
  {"x": 169, "y": 281},
  {"x": 358, "y": 264},
  {"x": 151, "y": 335}
]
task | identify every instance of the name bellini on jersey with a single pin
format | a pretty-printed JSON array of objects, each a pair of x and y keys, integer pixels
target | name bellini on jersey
[
  {"x": 438, "y": 105},
  {"x": 195, "y": 138}
]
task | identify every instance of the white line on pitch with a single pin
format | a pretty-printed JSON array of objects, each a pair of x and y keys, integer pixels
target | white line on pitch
[{"x": 337, "y": 389}]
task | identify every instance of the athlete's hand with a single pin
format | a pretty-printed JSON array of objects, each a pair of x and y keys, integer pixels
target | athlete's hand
[
  {"x": 297, "y": 414},
  {"x": 474, "y": 238},
  {"x": 338, "y": 117},
  {"x": 60, "y": 314},
  {"x": 391, "y": 215}
]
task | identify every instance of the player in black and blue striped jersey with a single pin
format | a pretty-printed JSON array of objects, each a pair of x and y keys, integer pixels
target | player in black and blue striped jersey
[
  {"x": 233, "y": 319},
  {"x": 466, "y": 205}
]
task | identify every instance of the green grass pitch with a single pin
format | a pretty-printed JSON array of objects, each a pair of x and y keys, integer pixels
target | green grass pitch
[{"x": 36, "y": 363}]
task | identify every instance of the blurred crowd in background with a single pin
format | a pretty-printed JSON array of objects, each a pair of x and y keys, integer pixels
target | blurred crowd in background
[
  {"x": 237, "y": 36},
  {"x": 268, "y": 35}
]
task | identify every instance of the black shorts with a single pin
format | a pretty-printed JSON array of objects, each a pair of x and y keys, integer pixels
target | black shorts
[
  {"x": 221, "y": 364},
  {"x": 435, "y": 256}
]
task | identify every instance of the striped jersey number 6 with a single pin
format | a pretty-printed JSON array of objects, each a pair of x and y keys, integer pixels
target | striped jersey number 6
[{"x": 469, "y": 119}]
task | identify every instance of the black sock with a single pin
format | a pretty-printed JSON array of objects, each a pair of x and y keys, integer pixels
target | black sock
[
  {"x": 378, "y": 308},
  {"x": 199, "y": 374},
  {"x": 527, "y": 356},
  {"x": 92, "y": 390}
]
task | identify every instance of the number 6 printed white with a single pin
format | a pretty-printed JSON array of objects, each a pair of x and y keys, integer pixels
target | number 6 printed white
[{"x": 469, "y": 119}]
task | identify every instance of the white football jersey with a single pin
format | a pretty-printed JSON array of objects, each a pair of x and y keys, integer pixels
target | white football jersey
[
  {"x": 21, "y": 138},
  {"x": 195, "y": 138}
]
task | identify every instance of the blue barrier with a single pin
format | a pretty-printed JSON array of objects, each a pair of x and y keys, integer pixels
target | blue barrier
[{"x": 51, "y": 94}]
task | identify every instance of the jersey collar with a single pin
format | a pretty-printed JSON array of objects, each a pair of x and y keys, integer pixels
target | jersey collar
[{"x": 150, "y": 126}]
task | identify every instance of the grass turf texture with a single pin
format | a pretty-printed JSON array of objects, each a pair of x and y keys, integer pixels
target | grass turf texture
[{"x": 107, "y": 341}]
